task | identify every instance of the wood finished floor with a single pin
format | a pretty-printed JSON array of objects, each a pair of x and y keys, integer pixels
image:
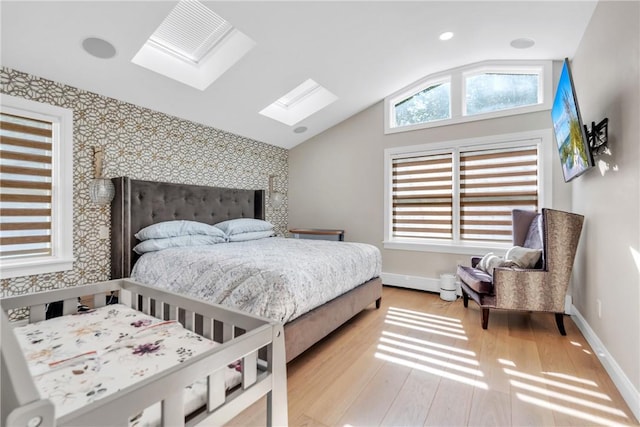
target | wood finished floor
[{"x": 419, "y": 360}]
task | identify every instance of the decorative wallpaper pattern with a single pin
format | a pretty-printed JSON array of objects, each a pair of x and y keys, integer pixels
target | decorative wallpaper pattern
[{"x": 142, "y": 144}]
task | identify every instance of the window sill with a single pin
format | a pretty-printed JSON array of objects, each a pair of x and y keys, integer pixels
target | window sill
[
  {"x": 34, "y": 266},
  {"x": 447, "y": 248}
]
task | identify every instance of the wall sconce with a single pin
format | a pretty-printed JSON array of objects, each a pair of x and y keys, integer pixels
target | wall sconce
[
  {"x": 276, "y": 198},
  {"x": 101, "y": 189}
]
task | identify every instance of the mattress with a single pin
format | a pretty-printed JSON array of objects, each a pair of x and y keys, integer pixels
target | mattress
[
  {"x": 277, "y": 278},
  {"x": 77, "y": 359}
]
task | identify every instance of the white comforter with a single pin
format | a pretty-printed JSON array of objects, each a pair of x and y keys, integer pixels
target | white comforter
[{"x": 276, "y": 278}]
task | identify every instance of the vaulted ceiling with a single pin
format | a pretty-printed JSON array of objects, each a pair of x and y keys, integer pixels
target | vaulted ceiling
[{"x": 360, "y": 51}]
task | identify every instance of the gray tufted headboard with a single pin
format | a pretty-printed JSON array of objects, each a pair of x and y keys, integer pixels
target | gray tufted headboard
[{"x": 138, "y": 204}]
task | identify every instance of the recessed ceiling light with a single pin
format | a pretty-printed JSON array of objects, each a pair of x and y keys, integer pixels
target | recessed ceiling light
[
  {"x": 522, "y": 43},
  {"x": 98, "y": 47},
  {"x": 300, "y": 129},
  {"x": 447, "y": 35}
]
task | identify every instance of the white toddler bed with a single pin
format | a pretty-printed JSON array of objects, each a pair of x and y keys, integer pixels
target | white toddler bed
[{"x": 79, "y": 377}]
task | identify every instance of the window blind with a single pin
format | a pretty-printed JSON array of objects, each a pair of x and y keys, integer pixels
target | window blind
[
  {"x": 492, "y": 183},
  {"x": 423, "y": 196},
  {"x": 25, "y": 186}
]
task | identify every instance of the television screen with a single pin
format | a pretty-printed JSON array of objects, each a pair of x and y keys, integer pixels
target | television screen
[{"x": 571, "y": 138}]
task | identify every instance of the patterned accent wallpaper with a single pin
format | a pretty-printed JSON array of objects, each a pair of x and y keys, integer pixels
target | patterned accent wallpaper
[{"x": 142, "y": 144}]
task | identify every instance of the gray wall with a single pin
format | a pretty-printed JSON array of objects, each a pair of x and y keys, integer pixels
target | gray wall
[
  {"x": 336, "y": 180},
  {"x": 605, "y": 71},
  {"x": 142, "y": 144}
]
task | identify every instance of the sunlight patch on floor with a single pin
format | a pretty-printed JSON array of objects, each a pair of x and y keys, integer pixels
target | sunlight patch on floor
[
  {"x": 426, "y": 354},
  {"x": 565, "y": 410},
  {"x": 567, "y": 398},
  {"x": 427, "y": 330},
  {"x": 429, "y": 351},
  {"x": 571, "y": 378},
  {"x": 430, "y": 360},
  {"x": 425, "y": 315},
  {"x": 431, "y": 370},
  {"x": 557, "y": 384}
]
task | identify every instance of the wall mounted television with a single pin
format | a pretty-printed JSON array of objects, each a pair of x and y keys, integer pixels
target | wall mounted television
[{"x": 571, "y": 137}]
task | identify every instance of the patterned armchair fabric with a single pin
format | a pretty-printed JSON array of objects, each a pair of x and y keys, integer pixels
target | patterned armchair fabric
[{"x": 540, "y": 289}]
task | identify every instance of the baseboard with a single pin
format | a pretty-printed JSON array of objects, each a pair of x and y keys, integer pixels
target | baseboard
[
  {"x": 626, "y": 388},
  {"x": 427, "y": 284}
]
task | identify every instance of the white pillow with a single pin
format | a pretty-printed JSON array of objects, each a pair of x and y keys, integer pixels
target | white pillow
[
  {"x": 254, "y": 235},
  {"x": 176, "y": 228},
  {"x": 151, "y": 245},
  {"x": 243, "y": 225},
  {"x": 523, "y": 257}
]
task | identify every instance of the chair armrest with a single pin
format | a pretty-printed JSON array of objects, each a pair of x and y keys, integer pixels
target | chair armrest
[{"x": 527, "y": 289}]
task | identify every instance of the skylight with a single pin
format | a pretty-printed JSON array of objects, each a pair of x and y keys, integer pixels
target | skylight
[
  {"x": 298, "y": 104},
  {"x": 193, "y": 45}
]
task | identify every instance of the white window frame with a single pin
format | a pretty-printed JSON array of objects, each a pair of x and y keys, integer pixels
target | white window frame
[
  {"x": 542, "y": 138},
  {"x": 417, "y": 88},
  {"x": 61, "y": 257},
  {"x": 458, "y": 97}
]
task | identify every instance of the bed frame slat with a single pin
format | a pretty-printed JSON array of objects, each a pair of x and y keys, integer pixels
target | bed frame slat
[
  {"x": 173, "y": 409},
  {"x": 249, "y": 369},
  {"x": 37, "y": 313},
  {"x": 216, "y": 390}
]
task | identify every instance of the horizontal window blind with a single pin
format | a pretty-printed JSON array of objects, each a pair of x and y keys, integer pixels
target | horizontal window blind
[
  {"x": 492, "y": 183},
  {"x": 25, "y": 186},
  {"x": 423, "y": 197}
]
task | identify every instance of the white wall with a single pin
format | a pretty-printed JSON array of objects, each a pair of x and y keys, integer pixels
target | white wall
[
  {"x": 605, "y": 71},
  {"x": 336, "y": 181}
]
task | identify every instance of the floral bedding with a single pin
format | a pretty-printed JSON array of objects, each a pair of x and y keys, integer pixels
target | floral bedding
[
  {"x": 276, "y": 278},
  {"x": 80, "y": 358}
]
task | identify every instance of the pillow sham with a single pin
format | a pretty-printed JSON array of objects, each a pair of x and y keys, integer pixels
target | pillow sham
[
  {"x": 523, "y": 257},
  {"x": 176, "y": 228},
  {"x": 151, "y": 245},
  {"x": 254, "y": 235},
  {"x": 243, "y": 225},
  {"x": 517, "y": 256}
]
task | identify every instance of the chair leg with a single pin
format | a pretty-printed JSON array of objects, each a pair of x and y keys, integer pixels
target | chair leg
[
  {"x": 560, "y": 323},
  {"x": 465, "y": 299},
  {"x": 485, "y": 318}
]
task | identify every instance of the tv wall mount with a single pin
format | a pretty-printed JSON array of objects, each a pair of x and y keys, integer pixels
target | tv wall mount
[{"x": 598, "y": 137}]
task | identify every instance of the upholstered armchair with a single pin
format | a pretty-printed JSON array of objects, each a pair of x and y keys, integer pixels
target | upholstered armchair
[{"x": 542, "y": 288}]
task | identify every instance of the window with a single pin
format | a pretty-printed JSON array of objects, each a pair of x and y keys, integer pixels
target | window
[
  {"x": 497, "y": 90},
  {"x": 458, "y": 196},
  {"x": 429, "y": 104},
  {"x": 35, "y": 188},
  {"x": 475, "y": 92}
]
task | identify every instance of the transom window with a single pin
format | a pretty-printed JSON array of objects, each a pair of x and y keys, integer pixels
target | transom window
[
  {"x": 429, "y": 104},
  {"x": 462, "y": 193},
  {"x": 475, "y": 92}
]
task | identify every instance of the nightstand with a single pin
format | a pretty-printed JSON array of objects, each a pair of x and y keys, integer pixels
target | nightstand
[{"x": 317, "y": 234}]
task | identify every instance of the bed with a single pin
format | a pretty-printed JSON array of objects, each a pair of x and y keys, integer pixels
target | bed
[
  {"x": 90, "y": 381},
  {"x": 138, "y": 204}
]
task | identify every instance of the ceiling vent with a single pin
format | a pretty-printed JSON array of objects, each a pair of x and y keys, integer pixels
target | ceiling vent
[
  {"x": 193, "y": 45},
  {"x": 298, "y": 104}
]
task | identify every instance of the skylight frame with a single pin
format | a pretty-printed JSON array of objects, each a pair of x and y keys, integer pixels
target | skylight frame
[
  {"x": 197, "y": 58},
  {"x": 306, "y": 99}
]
